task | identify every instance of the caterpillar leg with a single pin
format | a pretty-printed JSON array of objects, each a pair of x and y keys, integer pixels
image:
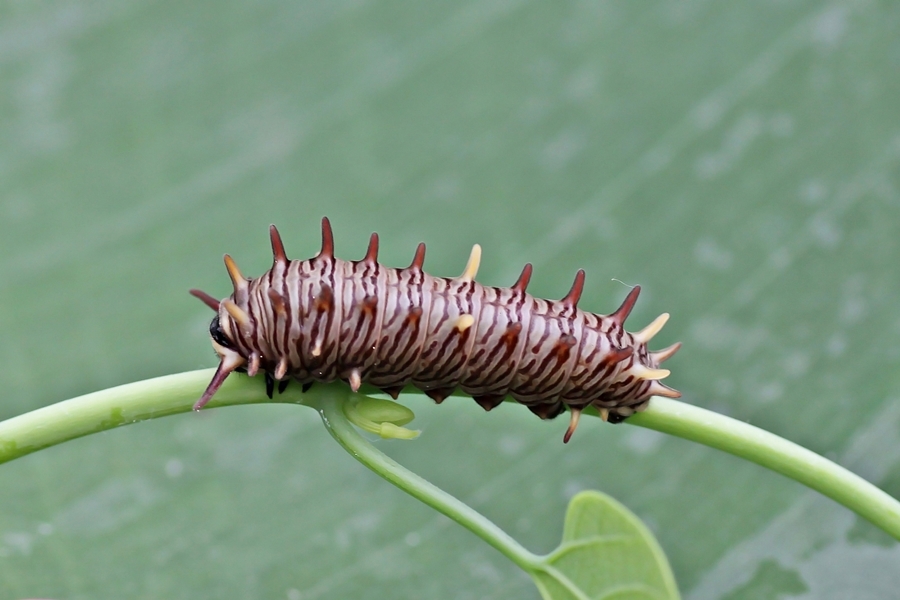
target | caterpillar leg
[
  {"x": 547, "y": 410},
  {"x": 615, "y": 418},
  {"x": 282, "y": 385},
  {"x": 393, "y": 391},
  {"x": 439, "y": 394},
  {"x": 270, "y": 385},
  {"x": 489, "y": 401}
]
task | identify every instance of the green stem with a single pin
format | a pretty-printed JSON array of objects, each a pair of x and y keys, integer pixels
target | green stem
[
  {"x": 332, "y": 410},
  {"x": 174, "y": 394},
  {"x": 127, "y": 404},
  {"x": 775, "y": 453}
]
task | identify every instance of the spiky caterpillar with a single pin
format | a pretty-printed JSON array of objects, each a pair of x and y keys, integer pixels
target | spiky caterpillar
[{"x": 325, "y": 319}]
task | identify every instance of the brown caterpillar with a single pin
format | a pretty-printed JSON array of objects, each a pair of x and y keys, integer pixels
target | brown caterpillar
[{"x": 325, "y": 318}]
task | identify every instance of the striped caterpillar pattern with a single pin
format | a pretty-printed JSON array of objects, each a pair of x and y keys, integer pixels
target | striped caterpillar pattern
[{"x": 324, "y": 319}]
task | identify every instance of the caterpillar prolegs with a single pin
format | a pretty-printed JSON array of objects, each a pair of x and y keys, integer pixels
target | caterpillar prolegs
[{"x": 324, "y": 319}]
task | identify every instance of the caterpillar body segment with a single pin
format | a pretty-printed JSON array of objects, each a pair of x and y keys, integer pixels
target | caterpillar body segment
[{"x": 323, "y": 319}]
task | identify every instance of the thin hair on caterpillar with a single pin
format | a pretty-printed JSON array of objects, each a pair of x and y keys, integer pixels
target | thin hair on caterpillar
[{"x": 323, "y": 319}]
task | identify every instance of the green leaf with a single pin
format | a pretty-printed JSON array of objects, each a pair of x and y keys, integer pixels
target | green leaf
[
  {"x": 606, "y": 552},
  {"x": 381, "y": 417}
]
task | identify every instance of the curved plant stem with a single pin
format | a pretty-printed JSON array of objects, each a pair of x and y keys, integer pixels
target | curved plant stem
[
  {"x": 332, "y": 410},
  {"x": 124, "y": 405},
  {"x": 775, "y": 453},
  {"x": 174, "y": 394}
]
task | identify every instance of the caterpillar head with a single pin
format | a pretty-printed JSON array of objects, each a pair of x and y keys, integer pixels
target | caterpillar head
[
  {"x": 229, "y": 358},
  {"x": 231, "y": 319},
  {"x": 220, "y": 333}
]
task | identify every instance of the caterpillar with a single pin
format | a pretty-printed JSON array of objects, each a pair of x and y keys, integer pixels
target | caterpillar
[{"x": 323, "y": 319}]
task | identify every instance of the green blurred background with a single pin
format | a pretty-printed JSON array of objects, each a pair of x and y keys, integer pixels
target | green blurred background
[{"x": 739, "y": 160}]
